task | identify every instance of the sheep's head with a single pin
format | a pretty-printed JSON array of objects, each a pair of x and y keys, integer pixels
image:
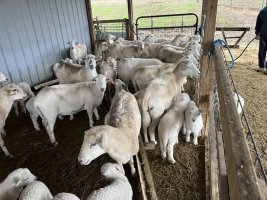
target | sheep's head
[
  {"x": 72, "y": 44},
  {"x": 112, "y": 170},
  {"x": 187, "y": 68},
  {"x": 109, "y": 38},
  {"x": 119, "y": 85},
  {"x": 90, "y": 61},
  {"x": 23, "y": 177},
  {"x": 101, "y": 82},
  {"x": 194, "y": 113},
  {"x": 150, "y": 38},
  {"x": 14, "y": 92},
  {"x": 181, "y": 100},
  {"x": 3, "y": 78},
  {"x": 93, "y": 146}
]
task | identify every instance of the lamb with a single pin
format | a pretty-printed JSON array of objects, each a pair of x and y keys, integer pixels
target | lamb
[
  {"x": 119, "y": 137},
  {"x": 119, "y": 189},
  {"x": 119, "y": 51},
  {"x": 65, "y": 196},
  {"x": 3, "y": 78},
  {"x": 77, "y": 51},
  {"x": 36, "y": 190},
  {"x": 13, "y": 184},
  {"x": 239, "y": 105},
  {"x": 68, "y": 99},
  {"x": 171, "y": 124},
  {"x": 26, "y": 88},
  {"x": 157, "y": 97},
  {"x": 127, "y": 67},
  {"x": 193, "y": 122},
  {"x": 8, "y": 94},
  {"x": 71, "y": 73}
]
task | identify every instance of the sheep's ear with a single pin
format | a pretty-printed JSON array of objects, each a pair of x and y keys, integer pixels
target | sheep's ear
[
  {"x": 21, "y": 180},
  {"x": 102, "y": 141}
]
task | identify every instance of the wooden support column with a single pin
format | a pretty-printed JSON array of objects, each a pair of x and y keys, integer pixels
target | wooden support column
[
  {"x": 241, "y": 174},
  {"x": 130, "y": 16},
  {"x": 209, "y": 9},
  {"x": 91, "y": 24}
]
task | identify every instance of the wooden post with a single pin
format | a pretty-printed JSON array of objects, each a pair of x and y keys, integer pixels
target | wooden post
[
  {"x": 240, "y": 171},
  {"x": 91, "y": 24},
  {"x": 130, "y": 16},
  {"x": 209, "y": 9}
]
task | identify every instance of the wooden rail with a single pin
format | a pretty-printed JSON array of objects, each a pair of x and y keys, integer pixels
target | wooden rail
[{"x": 241, "y": 174}]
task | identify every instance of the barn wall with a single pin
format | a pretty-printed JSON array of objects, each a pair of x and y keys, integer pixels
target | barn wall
[{"x": 34, "y": 36}]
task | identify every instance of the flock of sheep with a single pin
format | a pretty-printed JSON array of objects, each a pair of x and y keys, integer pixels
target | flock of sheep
[{"x": 157, "y": 69}]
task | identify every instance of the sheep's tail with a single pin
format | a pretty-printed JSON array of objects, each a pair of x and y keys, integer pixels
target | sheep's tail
[{"x": 38, "y": 110}]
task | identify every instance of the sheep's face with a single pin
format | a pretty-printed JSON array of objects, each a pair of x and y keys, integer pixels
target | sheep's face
[
  {"x": 25, "y": 177},
  {"x": 91, "y": 147},
  {"x": 2, "y": 77},
  {"x": 110, "y": 38},
  {"x": 15, "y": 92},
  {"x": 194, "y": 113},
  {"x": 72, "y": 44},
  {"x": 90, "y": 61},
  {"x": 101, "y": 82},
  {"x": 110, "y": 170},
  {"x": 187, "y": 68}
]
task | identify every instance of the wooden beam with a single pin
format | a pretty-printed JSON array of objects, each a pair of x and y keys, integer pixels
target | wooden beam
[
  {"x": 130, "y": 16},
  {"x": 240, "y": 170},
  {"x": 91, "y": 24},
  {"x": 209, "y": 9}
]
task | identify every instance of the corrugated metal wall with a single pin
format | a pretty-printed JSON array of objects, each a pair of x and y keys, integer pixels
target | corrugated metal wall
[{"x": 34, "y": 36}]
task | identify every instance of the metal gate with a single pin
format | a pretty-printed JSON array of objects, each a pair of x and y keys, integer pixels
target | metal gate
[{"x": 166, "y": 26}]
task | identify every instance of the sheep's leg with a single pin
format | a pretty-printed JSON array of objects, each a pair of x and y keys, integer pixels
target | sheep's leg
[
  {"x": 3, "y": 132},
  {"x": 135, "y": 85},
  {"x": 195, "y": 142},
  {"x": 184, "y": 129},
  {"x": 16, "y": 107},
  {"x": 60, "y": 117},
  {"x": 182, "y": 88},
  {"x": 22, "y": 106},
  {"x": 34, "y": 117},
  {"x": 163, "y": 140},
  {"x": 2, "y": 145},
  {"x": 90, "y": 115},
  {"x": 188, "y": 132},
  {"x": 50, "y": 130},
  {"x": 152, "y": 129},
  {"x": 71, "y": 117},
  {"x": 170, "y": 147},
  {"x": 96, "y": 113},
  {"x": 131, "y": 163}
]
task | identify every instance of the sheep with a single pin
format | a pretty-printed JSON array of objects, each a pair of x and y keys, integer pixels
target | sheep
[
  {"x": 157, "y": 97},
  {"x": 3, "y": 78},
  {"x": 119, "y": 51},
  {"x": 119, "y": 189},
  {"x": 68, "y": 99},
  {"x": 71, "y": 73},
  {"x": 127, "y": 66},
  {"x": 77, "y": 51},
  {"x": 193, "y": 122},
  {"x": 8, "y": 94},
  {"x": 13, "y": 184},
  {"x": 65, "y": 196},
  {"x": 102, "y": 49},
  {"x": 170, "y": 126},
  {"x": 239, "y": 104},
  {"x": 36, "y": 190},
  {"x": 26, "y": 88},
  {"x": 118, "y": 137},
  {"x": 119, "y": 85}
]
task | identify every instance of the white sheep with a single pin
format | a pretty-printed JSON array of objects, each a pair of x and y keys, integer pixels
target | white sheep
[
  {"x": 239, "y": 104},
  {"x": 170, "y": 126},
  {"x": 119, "y": 137},
  {"x": 26, "y": 88},
  {"x": 119, "y": 51},
  {"x": 65, "y": 196},
  {"x": 193, "y": 122},
  {"x": 127, "y": 66},
  {"x": 36, "y": 190},
  {"x": 3, "y": 78},
  {"x": 8, "y": 94},
  {"x": 68, "y": 99},
  {"x": 77, "y": 51},
  {"x": 71, "y": 73},
  {"x": 119, "y": 189},
  {"x": 13, "y": 184},
  {"x": 157, "y": 97},
  {"x": 119, "y": 85},
  {"x": 150, "y": 38}
]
